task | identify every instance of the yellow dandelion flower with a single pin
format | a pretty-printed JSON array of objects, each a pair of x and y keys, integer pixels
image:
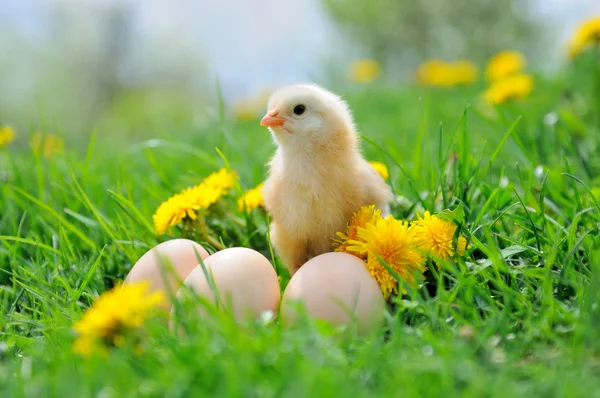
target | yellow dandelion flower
[
  {"x": 434, "y": 73},
  {"x": 461, "y": 245},
  {"x": 503, "y": 64},
  {"x": 513, "y": 87},
  {"x": 364, "y": 70},
  {"x": 115, "y": 313},
  {"x": 586, "y": 35},
  {"x": 464, "y": 72},
  {"x": 46, "y": 144},
  {"x": 252, "y": 199},
  {"x": 7, "y": 135},
  {"x": 184, "y": 205},
  {"x": 187, "y": 203},
  {"x": 434, "y": 235},
  {"x": 86, "y": 346},
  {"x": 222, "y": 179},
  {"x": 392, "y": 240},
  {"x": 360, "y": 219},
  {"x": 381, "y": 169},
  {"x": 205, "y": 195},
  {"x": 437, "y": 73},
  {"x": 175, "y": 209}
]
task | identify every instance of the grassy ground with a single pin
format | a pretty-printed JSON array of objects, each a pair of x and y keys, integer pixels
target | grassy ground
[{"x": 519, "y": 317}]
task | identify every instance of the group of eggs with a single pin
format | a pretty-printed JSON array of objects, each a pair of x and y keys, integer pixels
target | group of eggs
[{"x": 332, "y": 287}]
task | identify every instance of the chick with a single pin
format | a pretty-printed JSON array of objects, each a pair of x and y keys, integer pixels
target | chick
[{"x": 318, "y": 177}]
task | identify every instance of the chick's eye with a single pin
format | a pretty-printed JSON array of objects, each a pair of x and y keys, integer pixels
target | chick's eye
[{"x": 299, "y": 109}]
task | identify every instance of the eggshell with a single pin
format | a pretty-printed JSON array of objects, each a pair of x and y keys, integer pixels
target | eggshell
[
  {"x": 154, "y": 265},
  {"x": 334, "y": 287},
  {"x": 246, "y": 282}
]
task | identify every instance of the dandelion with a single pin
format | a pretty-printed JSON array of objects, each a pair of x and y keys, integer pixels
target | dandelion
[
  {"x": 435, "y": 236},
  {"x": 7, "y": 135},
  {"x": 392, "y": 240},
  {"x": 514, "y": 87},
  {"x": 176, "y": 208},
  {"x": 205, "y": 195},
  {"x": 461, "y": 245},
  {"x": 381, "y": 169},
  {"x": 114, "y": 315},
  {"x": 188, "y": 203},
  {"x": 46, "y": 144},
  {"x": 465, "y": 72},
  {"x": 360, "y": 219},
  {"x": 504, "y": 64},
  {"x": 364, "y": 70},
  {"x": 252, "y": 199},
  {"x": 437, "y": 73},
  {"x": 221, "y": 180},
  {"x": 586, "y": 35},
  {"x": 434, "y": 73}
]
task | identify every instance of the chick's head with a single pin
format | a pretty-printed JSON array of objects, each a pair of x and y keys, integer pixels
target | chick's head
[{"x": 306, "y": 113}]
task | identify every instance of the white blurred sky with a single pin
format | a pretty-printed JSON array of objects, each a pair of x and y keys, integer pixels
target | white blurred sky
[{"x": 249, "y": 43}]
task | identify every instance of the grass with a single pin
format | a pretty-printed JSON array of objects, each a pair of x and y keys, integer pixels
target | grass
[{"x": 519, "y": 316}]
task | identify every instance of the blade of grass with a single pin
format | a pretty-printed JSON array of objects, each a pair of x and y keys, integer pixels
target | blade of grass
[{"x": 57, "y": 216}]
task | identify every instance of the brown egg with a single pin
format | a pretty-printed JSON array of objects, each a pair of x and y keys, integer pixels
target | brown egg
[
  {"x": 246, "y": 282},
  {"x": 178, "y": 253},
  {"x": 332, "y": 287}
]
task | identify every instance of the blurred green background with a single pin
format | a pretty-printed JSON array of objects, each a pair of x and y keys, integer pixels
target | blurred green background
[{"x": 132, "y": 69}]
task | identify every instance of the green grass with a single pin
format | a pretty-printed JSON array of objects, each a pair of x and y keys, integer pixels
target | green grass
[{"x": 519, "y": 316}]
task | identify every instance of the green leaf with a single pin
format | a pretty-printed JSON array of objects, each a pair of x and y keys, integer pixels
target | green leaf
[{"x": 458, "y": 214}]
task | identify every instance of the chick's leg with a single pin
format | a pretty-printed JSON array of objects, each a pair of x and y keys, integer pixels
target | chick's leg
[{"x": 291, "y": 250}]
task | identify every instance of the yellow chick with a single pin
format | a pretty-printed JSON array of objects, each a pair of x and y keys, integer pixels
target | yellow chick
[{"x": 318, "y": 177}]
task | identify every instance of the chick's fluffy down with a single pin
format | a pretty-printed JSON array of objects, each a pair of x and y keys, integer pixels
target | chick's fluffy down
[
  {"x": 314, "y": 209},
  {"x": 318, "y": 177}
]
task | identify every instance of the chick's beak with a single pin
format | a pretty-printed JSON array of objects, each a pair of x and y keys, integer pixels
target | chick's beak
[{"x": 272, "y": 120}]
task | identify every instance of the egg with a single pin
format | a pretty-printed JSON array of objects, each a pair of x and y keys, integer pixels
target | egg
[
  {"x": 331, "y": 285},
  {"x": 178, "y": 253},
  {"x": 245, "y": 280}
]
